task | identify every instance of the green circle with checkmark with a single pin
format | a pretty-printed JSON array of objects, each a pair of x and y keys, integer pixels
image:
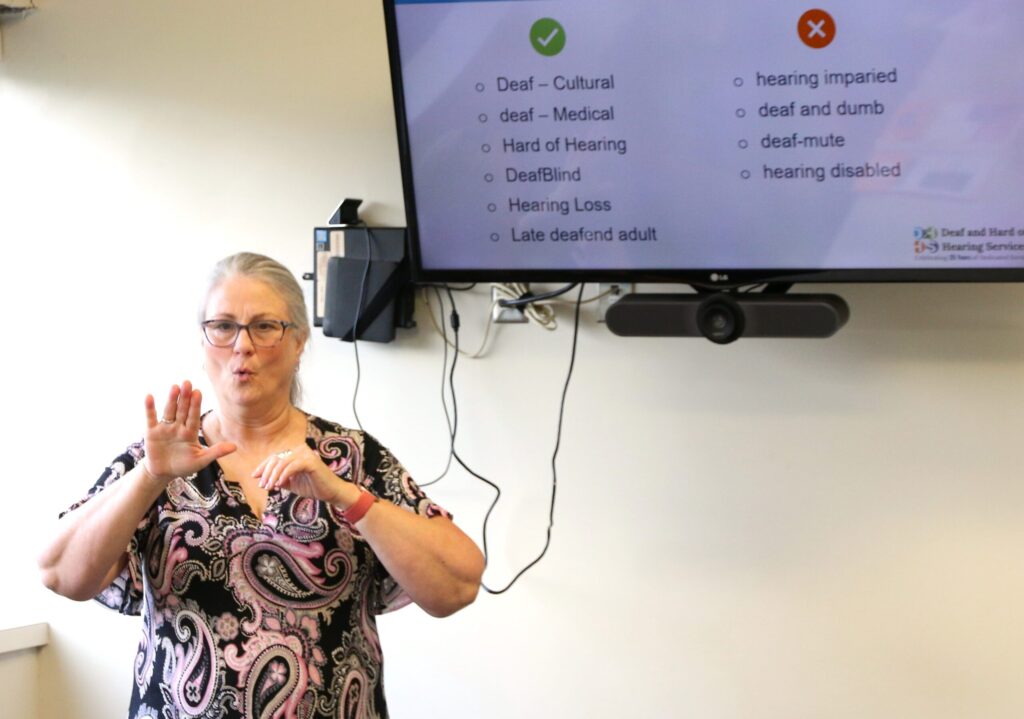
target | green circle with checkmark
[{"x": 547, "y": 36}]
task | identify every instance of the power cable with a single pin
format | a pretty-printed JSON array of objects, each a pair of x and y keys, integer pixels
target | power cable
[
  {"x": 444, "y": 372},
  {"x": 355, "y": 323},
  {"x": 554, "y": 455}
]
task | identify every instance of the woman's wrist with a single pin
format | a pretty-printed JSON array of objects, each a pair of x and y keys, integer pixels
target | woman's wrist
[
  {"x": 346, "y": 494},
  {"x": 358, "y": 509},
  {"x": 146, "y": 485},
  {"x": 353, "y": 501},
  {"x": 148, "y": 475}
]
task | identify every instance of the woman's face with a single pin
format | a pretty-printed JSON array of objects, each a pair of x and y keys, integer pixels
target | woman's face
[{"x": 244, "y": 375}]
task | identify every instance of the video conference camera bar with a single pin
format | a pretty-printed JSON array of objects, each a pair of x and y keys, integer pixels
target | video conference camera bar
[{"x": 724, "y": 317}]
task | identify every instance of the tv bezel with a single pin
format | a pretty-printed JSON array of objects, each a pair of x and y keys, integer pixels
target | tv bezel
[{"x": 719, "y": 278}]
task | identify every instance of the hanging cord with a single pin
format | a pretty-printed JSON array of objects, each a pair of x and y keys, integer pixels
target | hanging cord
[
  {"x": 444, "y": 371},
  {"x": 355, "y": 323},
  {"x": 595, "y": 298},
  {"x": 529, "y": 297},
  {"x": 447, "y": 287},
  {"x": 554, "y": 455},
  {"x": 439, "y": 327}
]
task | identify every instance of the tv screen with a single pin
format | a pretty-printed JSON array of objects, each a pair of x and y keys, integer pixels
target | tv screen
[{"x": 713, "y": 143}]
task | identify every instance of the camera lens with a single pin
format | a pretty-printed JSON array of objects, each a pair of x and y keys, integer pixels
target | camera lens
[{"x": 720, "y": 319}]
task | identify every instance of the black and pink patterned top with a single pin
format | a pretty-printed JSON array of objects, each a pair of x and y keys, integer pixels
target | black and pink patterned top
[{"x": 244, "y": 617}]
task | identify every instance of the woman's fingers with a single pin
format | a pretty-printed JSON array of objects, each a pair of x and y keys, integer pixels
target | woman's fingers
[
  {"x": 272, "y": 467},
  {"x": 184, "y": 400},
  {"x": 215, "y": 452},
  {"x": 278, "y": 468},
  {"x": 183, "y": 407},
  {"x": 172, "y": 435},
  {"x": 259, "y": 467},
  {"x": 150, "y": 411},
  {"x": 195, "y": 409},
  {"x": 298, "y": 470},
  {"x": 171, "y": 407}
]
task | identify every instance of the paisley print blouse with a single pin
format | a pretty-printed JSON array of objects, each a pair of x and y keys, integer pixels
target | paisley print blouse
[{"x": 244, "y": 617}]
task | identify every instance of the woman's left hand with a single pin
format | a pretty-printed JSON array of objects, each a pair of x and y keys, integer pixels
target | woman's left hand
[
  {"x": 430, "y": 558},
  {"x": 301, "y": 471}
]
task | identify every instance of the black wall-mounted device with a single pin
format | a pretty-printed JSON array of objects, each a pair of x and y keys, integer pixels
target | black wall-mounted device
[
  {"x": 365, "y": 270},
  {"x": 724, "y": 318}
]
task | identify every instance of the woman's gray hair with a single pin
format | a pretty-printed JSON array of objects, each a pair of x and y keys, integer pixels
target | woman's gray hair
[{"x": 280, "y": 279}]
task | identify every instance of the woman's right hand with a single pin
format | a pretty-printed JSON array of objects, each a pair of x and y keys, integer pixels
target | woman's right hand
[{"x": 172, "y": 441}]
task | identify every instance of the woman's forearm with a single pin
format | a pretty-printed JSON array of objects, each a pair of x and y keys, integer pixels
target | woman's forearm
[
  {"x": 437, "y": 565},
  {"x": 91, "y": 541}
]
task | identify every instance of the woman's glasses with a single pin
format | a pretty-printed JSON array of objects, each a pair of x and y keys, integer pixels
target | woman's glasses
[{"x": 262, "y": 333}]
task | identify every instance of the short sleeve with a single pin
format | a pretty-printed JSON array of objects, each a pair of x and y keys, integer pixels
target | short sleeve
[
  {"x": 386, "y": 478},
  {"x": 125, "y": 593}
]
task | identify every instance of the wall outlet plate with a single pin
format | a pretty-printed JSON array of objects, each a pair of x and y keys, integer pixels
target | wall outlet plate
[{"x": 505, "y": 315}]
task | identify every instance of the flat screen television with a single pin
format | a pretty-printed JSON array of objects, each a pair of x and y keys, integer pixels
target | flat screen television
[{"x": 711, "y": 143}]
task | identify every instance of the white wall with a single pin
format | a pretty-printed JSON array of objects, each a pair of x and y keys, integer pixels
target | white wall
[
  {"x": 772, "y": 529},
  {"x": 19, "y": 684}
]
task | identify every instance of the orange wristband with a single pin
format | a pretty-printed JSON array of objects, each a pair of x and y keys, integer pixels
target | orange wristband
[{"x": 358, "y": 509}]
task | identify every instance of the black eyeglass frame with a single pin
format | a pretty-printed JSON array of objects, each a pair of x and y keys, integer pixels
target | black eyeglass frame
[{"x": 206, "y": 324}]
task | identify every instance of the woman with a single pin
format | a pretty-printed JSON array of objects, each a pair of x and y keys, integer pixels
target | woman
[{"x": 261, "y": 541}]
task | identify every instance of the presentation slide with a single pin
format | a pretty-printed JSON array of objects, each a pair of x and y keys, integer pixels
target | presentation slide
[{"x": 671, "y": 134}]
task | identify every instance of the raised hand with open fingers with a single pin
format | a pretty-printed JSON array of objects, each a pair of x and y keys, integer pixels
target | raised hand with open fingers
[{"x": 172, "y": 440}]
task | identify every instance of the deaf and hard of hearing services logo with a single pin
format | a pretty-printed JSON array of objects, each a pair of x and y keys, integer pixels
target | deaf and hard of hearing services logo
[{"x": 926, "y": 240}]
